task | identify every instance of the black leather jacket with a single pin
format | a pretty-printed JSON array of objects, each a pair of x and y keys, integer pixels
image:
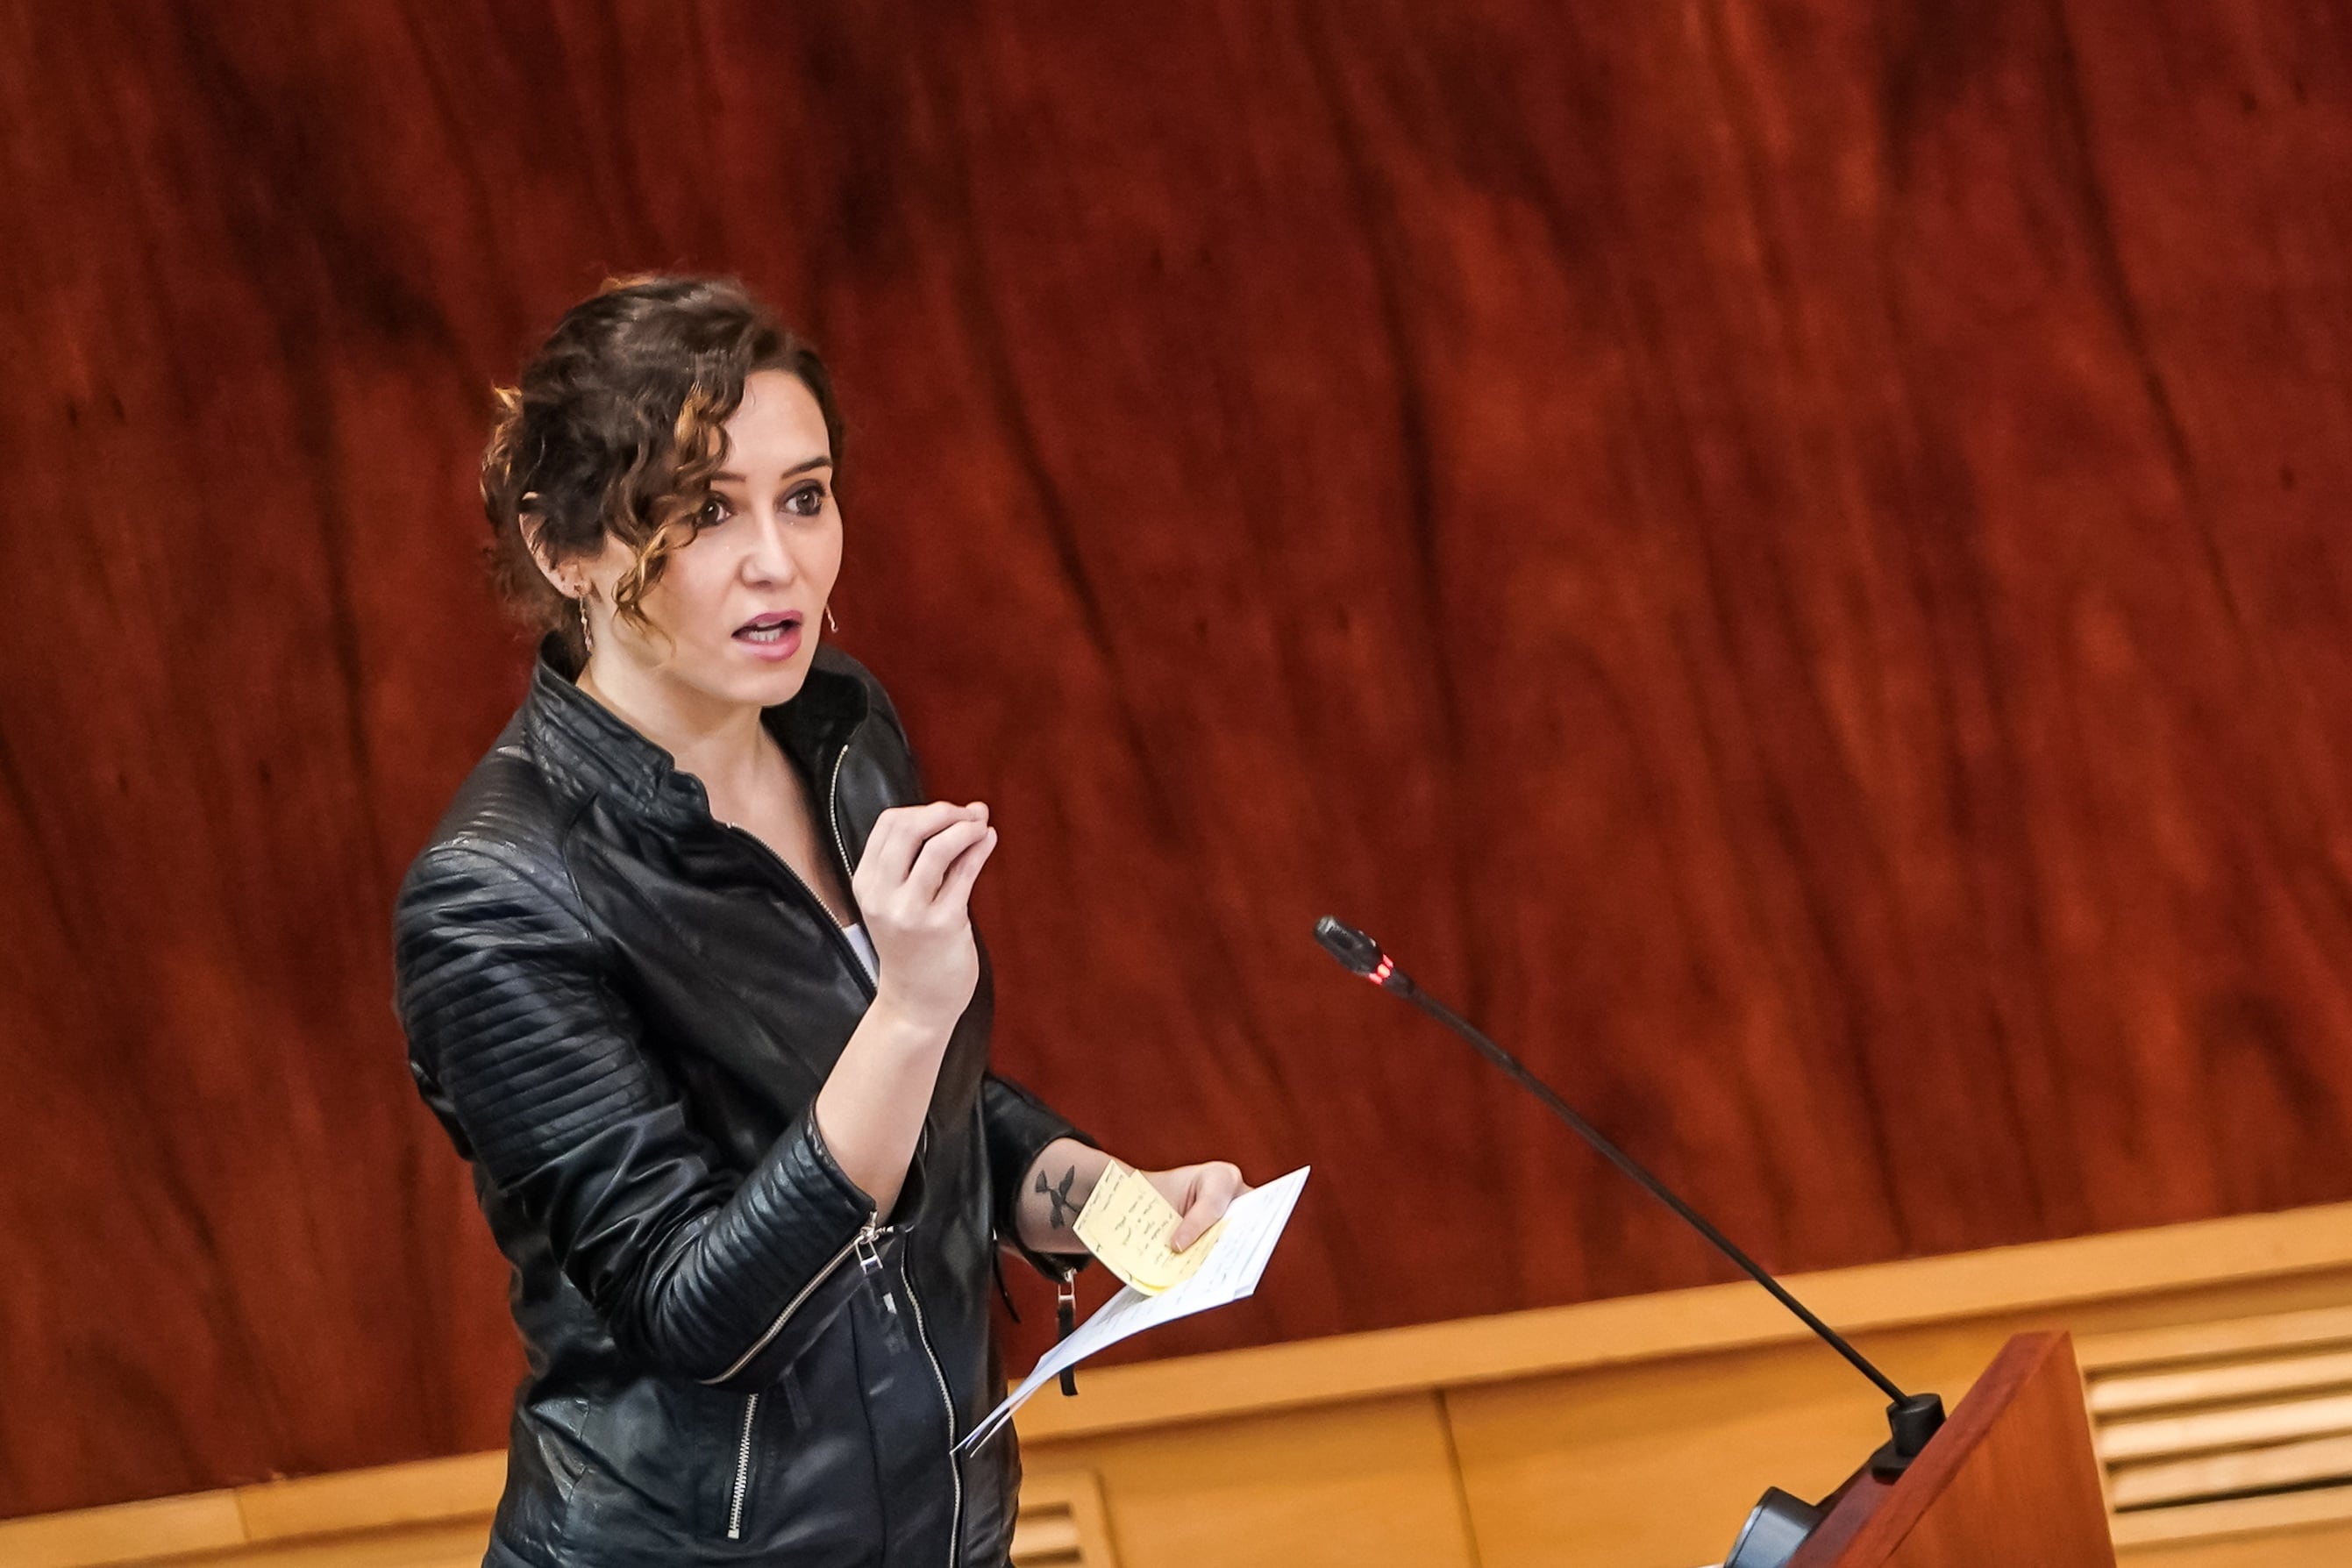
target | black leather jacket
[{"x": 622, "y": 1009}]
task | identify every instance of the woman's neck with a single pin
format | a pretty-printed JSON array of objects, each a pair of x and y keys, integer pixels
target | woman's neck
[{"x": 721, "y": 743}]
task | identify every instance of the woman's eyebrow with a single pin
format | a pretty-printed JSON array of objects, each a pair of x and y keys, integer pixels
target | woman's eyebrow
[{"x": 803, "y": 466}]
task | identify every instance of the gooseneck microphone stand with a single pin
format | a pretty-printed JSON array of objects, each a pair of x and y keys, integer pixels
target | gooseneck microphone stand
[{"x": 1780, "y": 1522}]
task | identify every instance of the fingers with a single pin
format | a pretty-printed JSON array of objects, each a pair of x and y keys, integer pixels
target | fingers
[
  {"x": 900, "y": 833},
  {"x": 911, "y": 884},
  {"x": 955, "y": 888},
  {"x": 940, "y": 852},
  {"x": 1213, "y": 1189}
]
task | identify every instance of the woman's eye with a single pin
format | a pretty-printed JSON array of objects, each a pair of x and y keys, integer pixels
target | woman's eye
[
  {"x": 807, "y": 500},
  {"x": 713, "y": 512}
]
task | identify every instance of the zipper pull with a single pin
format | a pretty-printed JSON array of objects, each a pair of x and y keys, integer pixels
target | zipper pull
[
  {"x": 869, "y": 1263},
  {"x": 1066, "y": 1320}
]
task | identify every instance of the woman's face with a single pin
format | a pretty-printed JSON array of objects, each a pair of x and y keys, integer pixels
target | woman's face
[{"x": 738, "y": 609}]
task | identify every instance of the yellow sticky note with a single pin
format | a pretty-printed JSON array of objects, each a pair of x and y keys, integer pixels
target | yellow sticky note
[{"x": 1127, "y": 1224}]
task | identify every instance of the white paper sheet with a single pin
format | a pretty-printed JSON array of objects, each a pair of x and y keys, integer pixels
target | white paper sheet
[{"x": 1252, "y": 1226}]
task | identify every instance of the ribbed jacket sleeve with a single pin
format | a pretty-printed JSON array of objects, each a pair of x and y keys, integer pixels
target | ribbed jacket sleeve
[{"x": 517, "y": 1040}]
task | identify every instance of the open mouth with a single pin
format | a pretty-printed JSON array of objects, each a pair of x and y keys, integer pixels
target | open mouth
[{"x": 773, "y": 626}]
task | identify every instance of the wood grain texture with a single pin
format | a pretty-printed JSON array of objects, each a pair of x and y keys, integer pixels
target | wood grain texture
[{"x": 1785, "y": 555}]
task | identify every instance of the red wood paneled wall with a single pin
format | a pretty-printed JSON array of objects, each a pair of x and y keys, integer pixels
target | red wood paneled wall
[{"x": 1790, "y": 555}]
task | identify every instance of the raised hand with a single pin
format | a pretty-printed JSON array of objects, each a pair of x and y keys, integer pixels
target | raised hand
[{"x": 914, "y": 889}]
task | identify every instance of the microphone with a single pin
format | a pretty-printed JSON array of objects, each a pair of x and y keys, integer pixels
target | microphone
[{"x": 1780, "y": 1522}]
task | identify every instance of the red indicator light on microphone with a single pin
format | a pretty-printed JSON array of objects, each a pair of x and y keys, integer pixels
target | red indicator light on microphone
[{"x": 1381, "y": 971}]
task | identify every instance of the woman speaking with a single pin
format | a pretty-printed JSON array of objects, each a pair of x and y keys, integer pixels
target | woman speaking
[{"x": 687, "y": 973}]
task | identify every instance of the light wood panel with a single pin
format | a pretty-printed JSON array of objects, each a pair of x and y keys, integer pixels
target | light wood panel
[
  {"x": 1368, "y": 1482},
  {"x": 422, "y": 1493},
  {"x": 2211, "y": 1265},
  {"x": 1627, "y": 1467},
  {"x": 452, "y": 1544},
  {"x": 2321, "y": 1546},
  {"x": 130, "y": 1532}
]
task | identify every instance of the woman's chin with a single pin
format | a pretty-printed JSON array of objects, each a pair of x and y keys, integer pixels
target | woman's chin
[
  {"x": 768, "y": 682},
  {"x": 729, "y": 674}
]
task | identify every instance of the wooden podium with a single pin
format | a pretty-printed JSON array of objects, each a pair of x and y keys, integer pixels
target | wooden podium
[{"x": 2008, "y": 1482}]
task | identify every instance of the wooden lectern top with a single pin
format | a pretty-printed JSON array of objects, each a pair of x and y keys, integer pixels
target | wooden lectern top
[{"x": 2009, "y": 1482}]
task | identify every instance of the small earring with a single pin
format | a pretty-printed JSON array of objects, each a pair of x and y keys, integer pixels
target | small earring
[
  {"x": 830, "y": 624},
  {"x": 587, "y": 634}
]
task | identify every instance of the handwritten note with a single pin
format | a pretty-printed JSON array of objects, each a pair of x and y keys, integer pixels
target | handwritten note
[
  {"x": 1226, "y": 1273},
  {"x": 1127, "y": 1224}
]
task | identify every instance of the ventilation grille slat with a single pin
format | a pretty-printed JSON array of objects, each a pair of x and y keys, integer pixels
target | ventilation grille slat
[
  {"x": 2125, "y": 1395},
  {"x": 1046, "y": 1538},
  {"x": 2197, "y": 1424},
  {"x": 2266, "y": 1418},
  {"x": 2243, "y": 1474},
  {"x": 1060, "y": 1524}
]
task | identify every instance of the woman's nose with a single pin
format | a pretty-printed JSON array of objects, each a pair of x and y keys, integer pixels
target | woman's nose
[{"x": 770, "y": 557}]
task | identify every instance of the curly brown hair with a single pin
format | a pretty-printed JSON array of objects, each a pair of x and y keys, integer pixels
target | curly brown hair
[{"x": 616, "y": 430}]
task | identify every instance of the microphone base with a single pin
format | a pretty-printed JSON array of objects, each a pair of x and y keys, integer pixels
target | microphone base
[
  {"x": 1775, "y": 1529},
  {"x": 1911, "y": 1423},
  {"x": 1781, "y": 1523}
]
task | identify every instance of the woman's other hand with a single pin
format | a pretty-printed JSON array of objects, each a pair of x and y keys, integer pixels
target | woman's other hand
[
  {"x": 914, "y": 890},
  {"x": 1199, "y": 1195},
  {"x": 1063, "y": 1177}
]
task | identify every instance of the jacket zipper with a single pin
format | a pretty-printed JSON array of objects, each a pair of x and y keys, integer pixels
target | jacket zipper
[
  {"x": 841, "y": 858},
  {"x": 922, "y": 1334},
  {"x": 841, "y": 861},
  {"x": 862, "y": 1244},
  {"x": 742, "y": 1469},
  {"x": 947, "y": 1402},
  {"x": 832, "y": 819},
  {"x": 865, "y": 1238}
]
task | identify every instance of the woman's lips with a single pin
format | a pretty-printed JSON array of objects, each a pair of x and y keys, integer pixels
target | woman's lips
[{"x": 773, "y": 640}]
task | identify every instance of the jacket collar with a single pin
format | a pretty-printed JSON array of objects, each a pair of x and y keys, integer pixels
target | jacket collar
[{"x": 585, "y": 749}]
